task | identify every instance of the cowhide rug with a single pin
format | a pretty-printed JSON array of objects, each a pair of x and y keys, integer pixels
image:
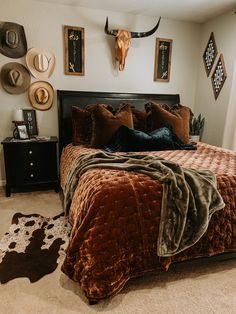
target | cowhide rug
[{"x": 33, "y": 246}]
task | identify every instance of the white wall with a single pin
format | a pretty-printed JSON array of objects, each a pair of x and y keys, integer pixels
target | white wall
[
  {"x": 215, "y": 111},
  {"x": 229, "y": 137},
  {"x": 43, "y": 23}
]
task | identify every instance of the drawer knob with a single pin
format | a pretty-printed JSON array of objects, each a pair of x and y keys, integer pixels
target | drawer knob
[
  {"x": 31, "y": 164},
  {"x": 30, "y": 152},
  {"x": 31, "y": 176}
]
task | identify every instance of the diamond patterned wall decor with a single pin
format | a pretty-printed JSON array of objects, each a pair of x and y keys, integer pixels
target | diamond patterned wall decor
[
  {"x": 219, "y": 76},
  {"x": 210, "y": 54}
]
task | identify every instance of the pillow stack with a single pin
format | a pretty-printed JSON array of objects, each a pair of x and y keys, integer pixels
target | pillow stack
[
  {"x": 95, "y": 125},
  {"x": 177, "y": 116}
]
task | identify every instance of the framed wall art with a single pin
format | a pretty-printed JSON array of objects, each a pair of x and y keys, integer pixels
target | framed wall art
[
  {"x": 162, "y": 66},
  {"x": 210, "y": 54},
  {"x": 219, "y": 76},
  {"x": 74, "y": 50},
  {"x": 29, "y": 116}
]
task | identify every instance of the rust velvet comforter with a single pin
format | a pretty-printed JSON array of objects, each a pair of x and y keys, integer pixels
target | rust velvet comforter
[{"x": 115, "y": 216}]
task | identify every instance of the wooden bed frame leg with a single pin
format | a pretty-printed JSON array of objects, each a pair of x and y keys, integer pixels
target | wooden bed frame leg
[{"x": 93, "y": 302}]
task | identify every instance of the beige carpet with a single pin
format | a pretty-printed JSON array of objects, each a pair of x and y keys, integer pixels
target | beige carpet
[{"x": 199, "y": 287}]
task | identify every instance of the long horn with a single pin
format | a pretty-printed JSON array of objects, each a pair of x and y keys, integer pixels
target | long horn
[
  {"x": 145, "y": 34},
  {"x": 112, "y": 32}
]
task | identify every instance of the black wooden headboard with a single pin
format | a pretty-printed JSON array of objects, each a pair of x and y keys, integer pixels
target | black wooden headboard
[{"x": 66, "y": 99}]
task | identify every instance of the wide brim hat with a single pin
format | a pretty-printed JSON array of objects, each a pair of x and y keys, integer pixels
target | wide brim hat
[
  {"x": 15, "y": 78},
  {"x": 41, "y": 95},
  {"x": 13, "y": 42},
  {"x": 40, "y": 62}
]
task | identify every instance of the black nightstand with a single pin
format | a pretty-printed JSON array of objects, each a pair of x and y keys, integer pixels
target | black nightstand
[{"x": 30, "y": 164}]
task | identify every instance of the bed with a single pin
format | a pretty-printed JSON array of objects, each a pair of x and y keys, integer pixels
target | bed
[{"x": 116, "y": 214}]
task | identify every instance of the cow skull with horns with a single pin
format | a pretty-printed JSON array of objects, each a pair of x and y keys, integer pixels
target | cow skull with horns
[{"x": 123, "y": 39}]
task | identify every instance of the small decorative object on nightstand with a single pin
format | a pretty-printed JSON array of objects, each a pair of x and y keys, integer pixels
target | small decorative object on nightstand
[{"x": 30, "y": 164}]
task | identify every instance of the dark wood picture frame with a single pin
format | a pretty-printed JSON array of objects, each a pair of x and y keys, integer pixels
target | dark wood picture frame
[
  {"x": 219, "y": 76},
  {"x": 74, "y": 50},
  {"x": 163, "y": 53},
  {"x": 210, "y": 54},
  {"x": 22, "y": 131},
  {"x": 30, "y": 118}
]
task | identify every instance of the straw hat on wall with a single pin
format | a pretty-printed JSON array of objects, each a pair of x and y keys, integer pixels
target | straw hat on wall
[
  {"x": 40, "y": 62},
  {"x": 15, "y": 78},
  {"x": 41, "y": 95}
]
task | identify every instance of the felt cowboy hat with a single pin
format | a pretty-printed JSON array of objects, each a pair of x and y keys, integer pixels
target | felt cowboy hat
[
  {"x": 41, "y": 95},
  {"x": 15, "y": 78},
  {"x": 40, "y": 62},
  {"x": 13, "y": 42}
]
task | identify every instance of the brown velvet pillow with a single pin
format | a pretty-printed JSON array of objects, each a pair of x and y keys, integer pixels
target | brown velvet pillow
[
  {"x": 105, "y": 123},
  {"x": 139, "y": 119},
  {"x": 177, "y": 116},
  {"x": 81, "y": 126},
  {"x": 82, "y": 123}
]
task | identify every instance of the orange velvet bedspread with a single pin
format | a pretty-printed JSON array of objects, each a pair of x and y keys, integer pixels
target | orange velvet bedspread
[{"x": 115, "y": 217}]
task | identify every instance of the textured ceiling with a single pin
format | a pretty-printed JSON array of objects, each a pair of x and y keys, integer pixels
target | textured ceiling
[{"x": 198, "y": 11}]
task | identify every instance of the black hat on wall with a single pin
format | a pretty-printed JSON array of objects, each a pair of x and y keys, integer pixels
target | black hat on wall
[{"x": 13, "y": 42}]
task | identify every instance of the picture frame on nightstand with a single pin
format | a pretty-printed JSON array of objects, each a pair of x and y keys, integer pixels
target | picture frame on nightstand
[
  {"x": 22, "y": 130},
  {"x": 29, "y": 116}
]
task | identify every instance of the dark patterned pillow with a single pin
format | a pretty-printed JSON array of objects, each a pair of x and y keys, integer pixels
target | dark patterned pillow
[{"x": 129, "y": 140}]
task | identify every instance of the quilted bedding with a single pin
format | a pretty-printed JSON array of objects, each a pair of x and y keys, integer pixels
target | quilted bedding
[{"x": 115, "y": 216}]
